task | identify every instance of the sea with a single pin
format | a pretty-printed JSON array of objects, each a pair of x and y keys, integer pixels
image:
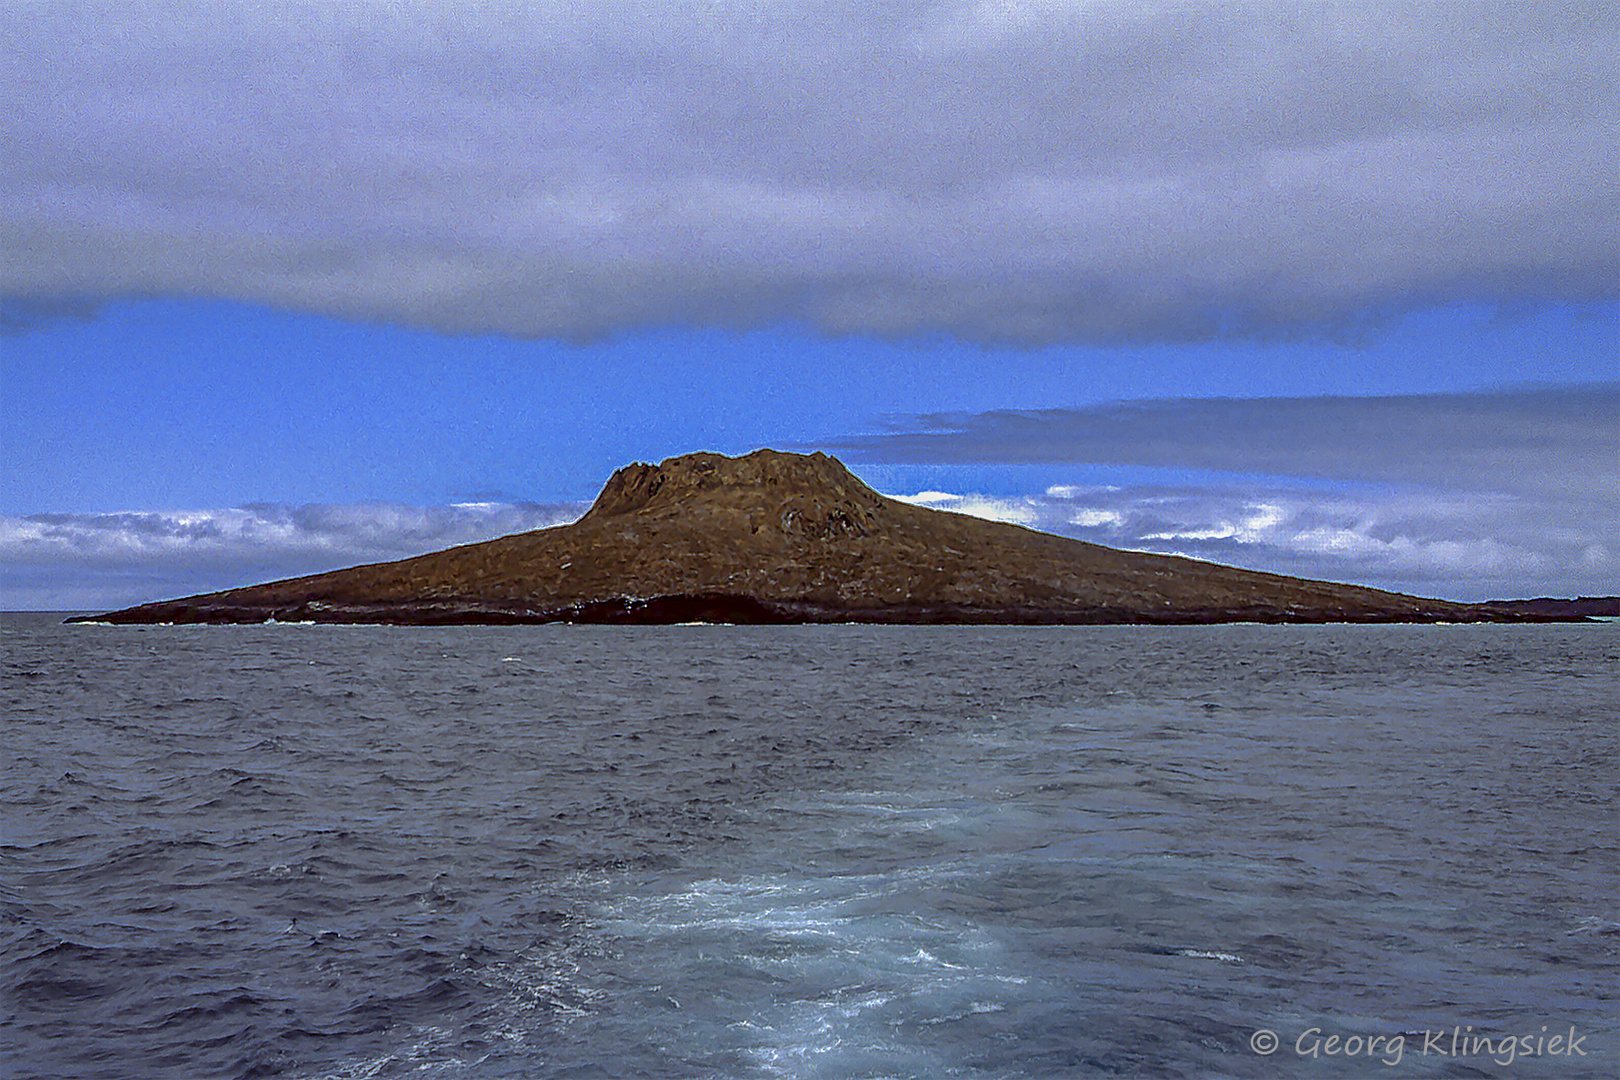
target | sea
[{"x": 819, "y": 851}]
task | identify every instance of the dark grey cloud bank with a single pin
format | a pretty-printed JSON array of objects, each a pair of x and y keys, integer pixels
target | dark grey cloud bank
[
  {"x": 1470, "y": 496},
  {"x": 1561, "y": 438},
  {"x": 1010, "y": 170}
]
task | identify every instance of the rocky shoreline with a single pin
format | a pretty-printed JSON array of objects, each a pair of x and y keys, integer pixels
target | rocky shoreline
[{"x": 720, "y": 608}]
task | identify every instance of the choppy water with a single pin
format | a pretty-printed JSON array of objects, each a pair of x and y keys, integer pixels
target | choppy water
[{"x": 807, "y": 852}]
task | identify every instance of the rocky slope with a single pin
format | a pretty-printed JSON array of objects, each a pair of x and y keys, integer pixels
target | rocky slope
[{"x": 776, "y": 537}]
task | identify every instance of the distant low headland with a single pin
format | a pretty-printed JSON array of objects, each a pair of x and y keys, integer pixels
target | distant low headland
[{"x": 774, "y": 537}]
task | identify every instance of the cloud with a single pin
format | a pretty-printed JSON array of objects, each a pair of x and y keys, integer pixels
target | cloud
[
  {"x": 1541, "y": 439},
  {"x": 1462, "y": 546},
  {"x": 77, "y": 561},
  {"x": 21, "y": 314},
  {"x": 1013, "y": 511},
  {"x": 1470, "y": 496},
  {"x": 1014, "y": 172}
]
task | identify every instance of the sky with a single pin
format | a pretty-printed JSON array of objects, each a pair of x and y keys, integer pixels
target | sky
[{"x": 1330, "y": 289}]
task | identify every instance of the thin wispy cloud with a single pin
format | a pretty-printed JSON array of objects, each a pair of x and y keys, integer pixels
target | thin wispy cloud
[
  {"x": 1534, "y": 439},
  {"x": 1033, "y": 171}
]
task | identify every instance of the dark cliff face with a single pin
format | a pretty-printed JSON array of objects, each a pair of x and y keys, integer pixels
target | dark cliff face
[{"x": 775, "y": 537}]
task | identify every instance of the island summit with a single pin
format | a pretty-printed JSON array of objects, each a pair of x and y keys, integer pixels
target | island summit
[{"x": 774, "y": 537}]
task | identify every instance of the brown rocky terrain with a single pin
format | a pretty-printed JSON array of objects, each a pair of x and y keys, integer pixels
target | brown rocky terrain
[{"x": 777, "y": 537}]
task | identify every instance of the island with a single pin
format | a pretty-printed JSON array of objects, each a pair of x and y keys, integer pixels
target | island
[{"x": 775, "y": 537}]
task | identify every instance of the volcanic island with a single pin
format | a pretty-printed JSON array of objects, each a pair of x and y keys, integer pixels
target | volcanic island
[{"x": 774, "y": 537}]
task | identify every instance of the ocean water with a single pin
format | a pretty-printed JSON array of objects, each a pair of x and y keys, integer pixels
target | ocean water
[{"x": 842, "y": 852}]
